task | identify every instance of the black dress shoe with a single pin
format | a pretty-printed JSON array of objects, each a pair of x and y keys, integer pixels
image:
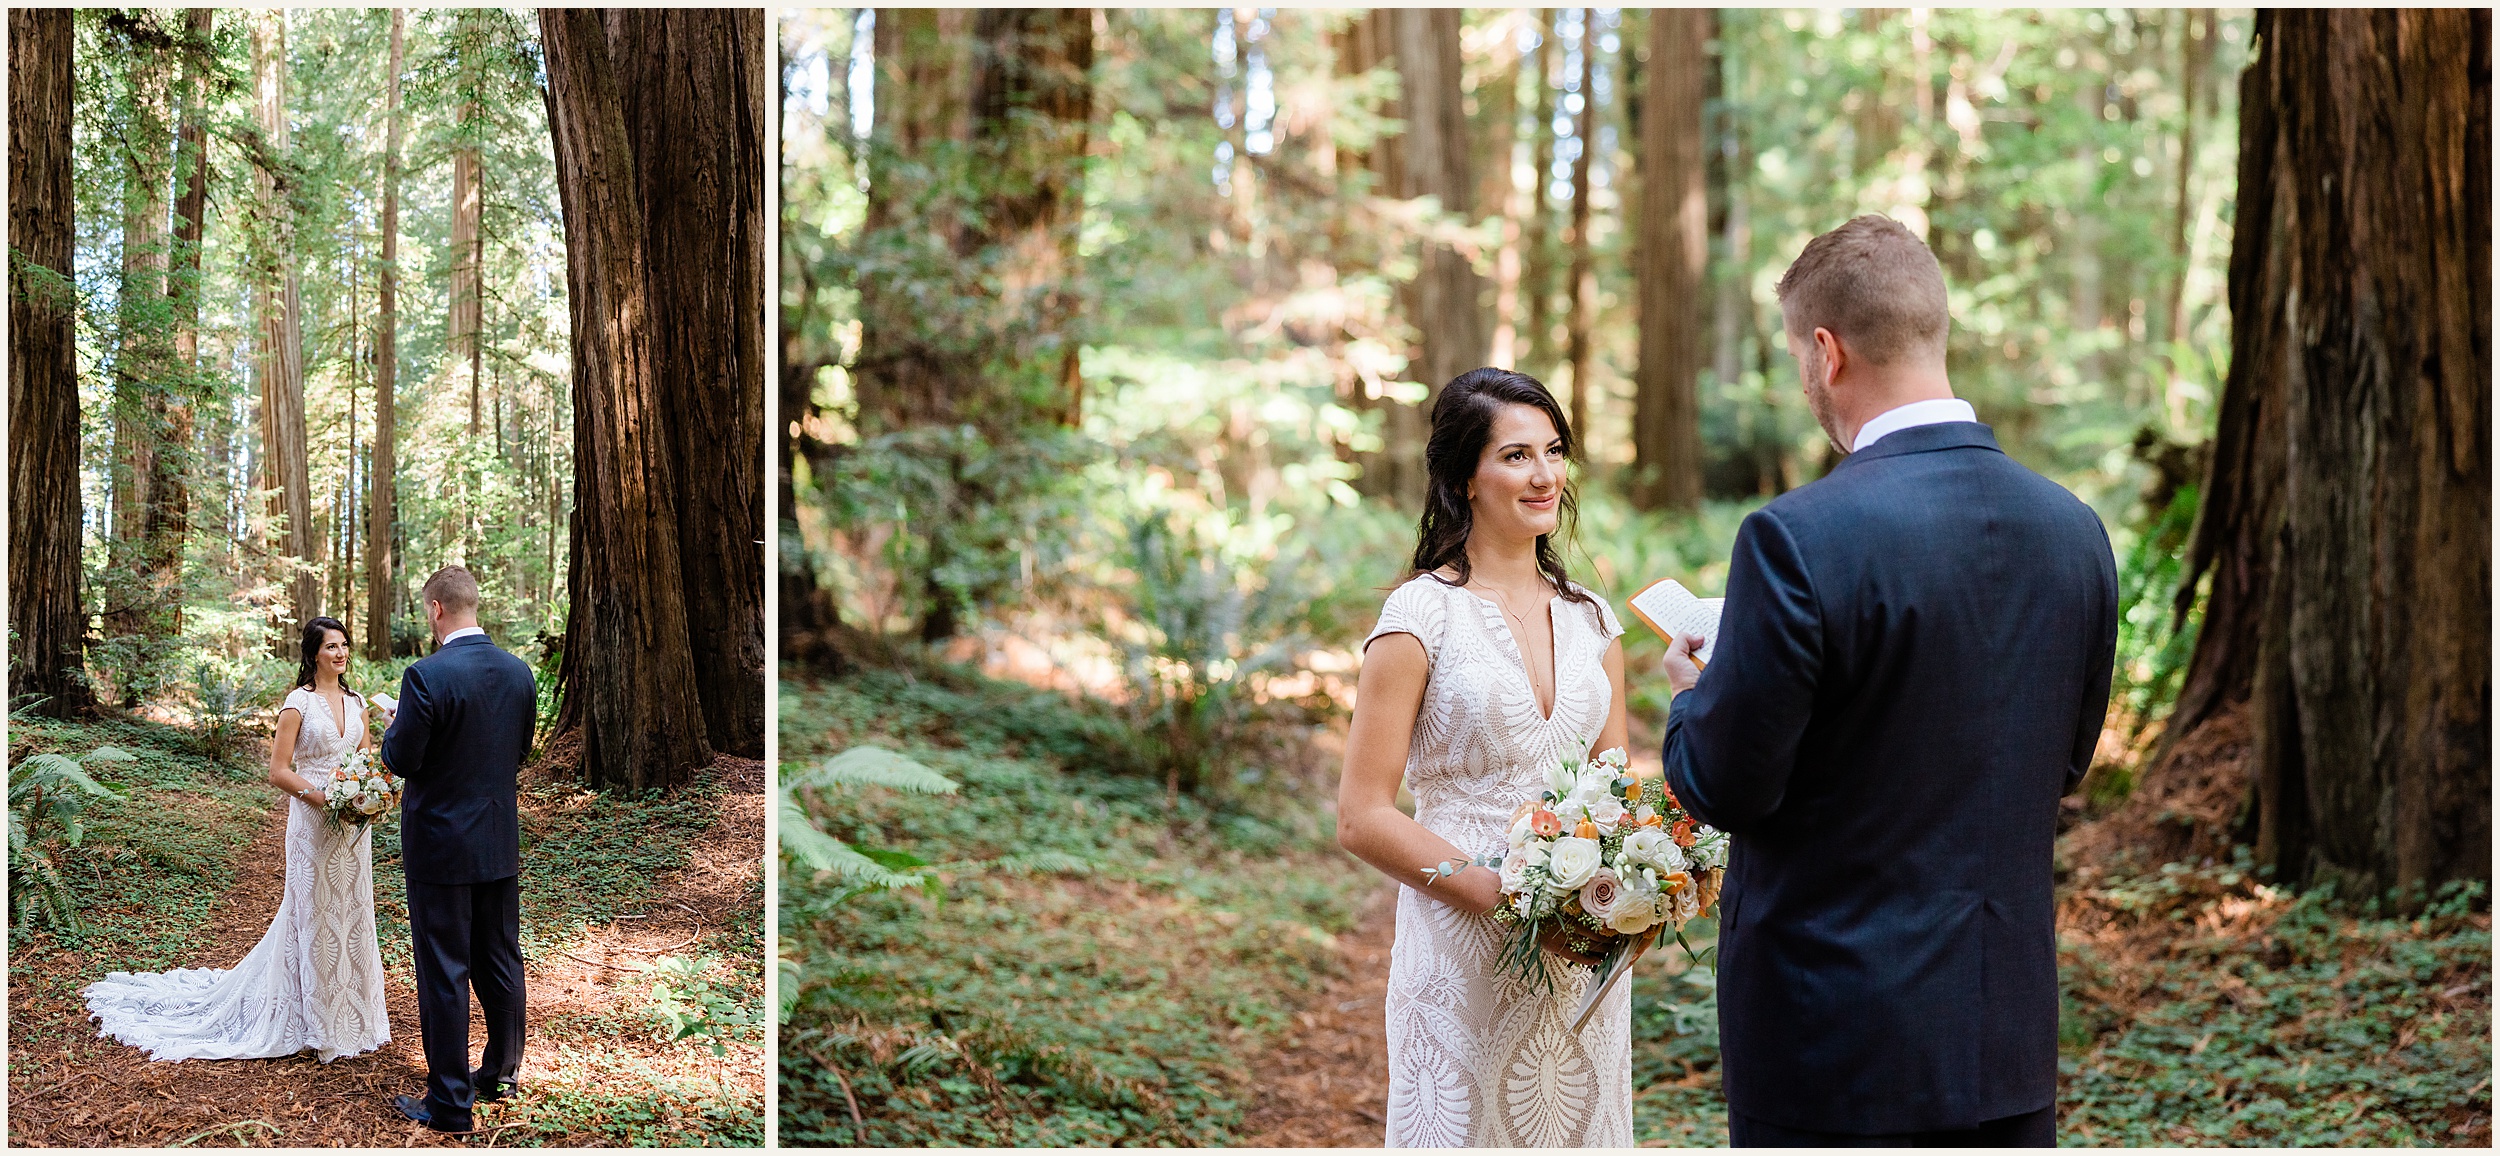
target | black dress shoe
[
  {"x": 414, "y": 1108},
  {"x": 489, "y": 1091}
]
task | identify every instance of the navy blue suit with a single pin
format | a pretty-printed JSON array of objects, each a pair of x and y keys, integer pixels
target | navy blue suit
[
  {"x": 1913, "y": 666},
  {"x": 465, "y": 719}
]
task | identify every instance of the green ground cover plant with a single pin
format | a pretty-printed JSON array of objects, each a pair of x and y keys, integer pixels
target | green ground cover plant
[{"x": 1111, "y": 997}]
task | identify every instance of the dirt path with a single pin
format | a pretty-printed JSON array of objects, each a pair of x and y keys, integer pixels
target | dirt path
[
  {"x": 93, "y": 1092},
  {"x": 1326, "y": 1085}
]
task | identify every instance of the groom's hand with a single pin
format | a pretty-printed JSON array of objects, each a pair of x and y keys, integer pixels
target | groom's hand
[{"x": 1682, "y": 666}]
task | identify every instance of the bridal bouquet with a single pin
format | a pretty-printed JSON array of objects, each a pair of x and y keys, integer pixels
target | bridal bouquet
[
  {"x": 1608, "y": 858},
  {"x": 362, "y": 789}
]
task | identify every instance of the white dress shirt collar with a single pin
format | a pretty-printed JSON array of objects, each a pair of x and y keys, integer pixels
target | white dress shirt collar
[
  {"x": 463, "y": 632},
  {"x": 1933, "y": 411}
]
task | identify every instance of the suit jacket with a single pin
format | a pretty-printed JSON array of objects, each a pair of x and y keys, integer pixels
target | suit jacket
[
  {"x": 466, "y": 714},
  {"x": 1913, "y": 667}
]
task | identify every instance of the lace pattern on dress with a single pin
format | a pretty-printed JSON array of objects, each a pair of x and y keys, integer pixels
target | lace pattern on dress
[
  {"x": 314, "y": 981},
  {"x": 1478, "y": 1058}
]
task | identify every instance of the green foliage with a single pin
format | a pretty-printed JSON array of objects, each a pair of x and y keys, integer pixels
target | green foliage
[
  {"x": 852, "y": 869},
  {"x": 687, "y": 1001},
  {"x": 1102, "y": 962},
  {"x": 48, "y": 796},
  {"x": 2310, "y": 1027}
]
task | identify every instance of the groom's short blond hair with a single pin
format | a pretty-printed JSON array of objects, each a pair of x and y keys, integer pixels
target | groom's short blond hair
[
  {"x": 1875, "y": 285},
  {"x": 455, "y": 588}
]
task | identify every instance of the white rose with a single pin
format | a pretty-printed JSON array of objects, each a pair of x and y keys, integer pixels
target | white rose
[
  {"x": 1606, "y": 812},
  {"x": 1633, "y": 918},
  {"x": 1514, "y": 869},
  {"x": 1601, "y": 894},
  {"x": 1573, "y": 861},
  {"x": 1535, "y": 854},
  {"x": 1522, "y": 831},
  {"x": 1643, "y": 846}
]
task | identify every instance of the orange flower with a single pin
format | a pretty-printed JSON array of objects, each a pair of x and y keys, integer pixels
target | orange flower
[
  {"x": 1654, "y": 820},
  {"x": 1674, "y": 881},
  {"x": 1546, "y": 824},
  {"x": 1586, "y": 830},
  {"x": 1683, "y": 833}
]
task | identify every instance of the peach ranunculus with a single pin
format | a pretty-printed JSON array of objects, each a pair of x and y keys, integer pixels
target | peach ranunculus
[{"x": 1546, "y": 824}]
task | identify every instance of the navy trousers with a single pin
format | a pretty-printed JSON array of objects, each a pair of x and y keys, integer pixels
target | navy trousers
[
  {"x": 467, "y": 935},
  {"x": 2029, "y": 1130}
]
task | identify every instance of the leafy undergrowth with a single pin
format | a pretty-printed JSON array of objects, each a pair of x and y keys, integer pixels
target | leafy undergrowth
[
  {"x": 2201, "y": 1007},
  {"x": 2204, "y": 1007},
  {"x": 155, "y": 858},
  {"x": 1111, "y": 996},
  {"x": 642, "y": 927}
]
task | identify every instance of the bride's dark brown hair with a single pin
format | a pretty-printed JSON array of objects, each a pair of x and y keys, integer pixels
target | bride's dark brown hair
[
  {"x": 317, "y": 634},
  {"x": 1462, "y": 421}
]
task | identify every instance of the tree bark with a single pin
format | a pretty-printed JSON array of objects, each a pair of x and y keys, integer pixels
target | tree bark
[
  {"x": 47, "y": 610},
  {"x": 1674, "y": 255},
  {"x": 279, "y": 358},
  {"x": 1537, "y": 273},
  {"x": 1445, "y": 300},
  {"x": 693, "y": 85},
  {"x": 2346, "y": 524},
  {"x": 462, "y": 342},
  {"x": 169, "y": 511},
  {"x": 628, "y": 673},
  {"x": 136, "y": 584},
  {"x": 1580, "y": 284},
  {"x": 382, "y": 513}
]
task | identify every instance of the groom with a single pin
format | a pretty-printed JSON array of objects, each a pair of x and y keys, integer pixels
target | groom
[
  {"x": 463, "y": 725},
  {"x": 1912, "y": 668}
]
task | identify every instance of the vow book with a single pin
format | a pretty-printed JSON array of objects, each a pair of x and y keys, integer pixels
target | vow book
[{"x": 1673, "y": 612}]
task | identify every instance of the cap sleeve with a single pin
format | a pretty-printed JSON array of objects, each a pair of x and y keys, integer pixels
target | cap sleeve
[
  {"x": 1607, "y": 623},
  {"x": 296, "y": 700},
  {"x": 1416, "y": 608}
]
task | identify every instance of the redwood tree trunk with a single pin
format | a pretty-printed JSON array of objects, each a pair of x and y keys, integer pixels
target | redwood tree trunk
[
  {"x": 628, "y": 674},
  {"x": 135, "y": 588},
  {"x": 169, "y": 511},
  {"x": 279, "y": 358},
  {"x": 2347, "y": 514},
  {"x": 1674, "y": 256},
  {"x": 1580, "y": 282},
  {"x": 693, "y": 85},
  {"x": 47, "y": 610},
  {"x": 382, "y": 513},
  {"x": 1445, "y": 300}
]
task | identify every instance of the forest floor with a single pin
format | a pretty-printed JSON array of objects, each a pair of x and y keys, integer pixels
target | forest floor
[
  {"x": 2201, "y": 1005},
  {"x": 619, "y": 895}
]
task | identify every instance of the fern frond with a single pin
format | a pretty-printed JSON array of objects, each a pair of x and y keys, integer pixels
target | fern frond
[{"x": 876, "y": 767}]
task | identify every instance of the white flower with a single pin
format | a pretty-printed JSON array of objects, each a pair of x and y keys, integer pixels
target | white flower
[
  {"x": 1600, "y": 895},
  {"x": 1559, "y": 780},
  {"x": 1709, "y": 849},
  {"x": 1514, "y": 871},
  {"x": 1535, "y": 854},
  {"x": 1651, "y": 847},
  {"x": 1633, "y": 918},
  {"x": 1606, "y": 812},
  {"x": 1573, "y": 861},
  {"x": 1525, "y": 905},
  {"x": 1644, "y": 813},
  {"x": 1614, "y": 759},
  {"x": 1522, "y": 831}
]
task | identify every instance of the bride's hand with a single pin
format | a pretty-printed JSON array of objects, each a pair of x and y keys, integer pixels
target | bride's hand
[
  {"x": 1556, "y": 941},
  {"x": 317, "y": 798}
]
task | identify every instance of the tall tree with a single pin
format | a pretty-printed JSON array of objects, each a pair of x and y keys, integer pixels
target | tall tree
[
  {"x": 693, "y": 86},
  {"x": 135, "y": 589},
  {"x": 975, "y": 194},
  {"x": 47, "y": 608},
  {"x": 382, "y": 516},
  {"x": 2347, "y": 519},
  {"x": 1445, "y": 300},
  {"x": 1537, "y": 273},
  {"x": 628, "y": 674},
  {"x": 1673, "y": 251},
  {"x": 169, "y": 507},
  {"x": 279, "y": 356},
  {"x": 1580, "y": 283},
  {"x": 463, "y": 345}
]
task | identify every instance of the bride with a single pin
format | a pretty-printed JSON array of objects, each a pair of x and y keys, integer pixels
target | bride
[
  {"x": 314, "y": 983},
  {"x": 1487, "y": 666}
]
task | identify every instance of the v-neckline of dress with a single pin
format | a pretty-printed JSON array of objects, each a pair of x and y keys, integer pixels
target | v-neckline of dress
[
  {"x": 337, "y": 727},
  {"x": 1519, "y": 653}
]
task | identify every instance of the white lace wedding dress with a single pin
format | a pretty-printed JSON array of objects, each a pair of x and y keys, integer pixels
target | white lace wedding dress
[
  {"x": 315, "y": 980},
  {"x": 1477, "y": 1057}
]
